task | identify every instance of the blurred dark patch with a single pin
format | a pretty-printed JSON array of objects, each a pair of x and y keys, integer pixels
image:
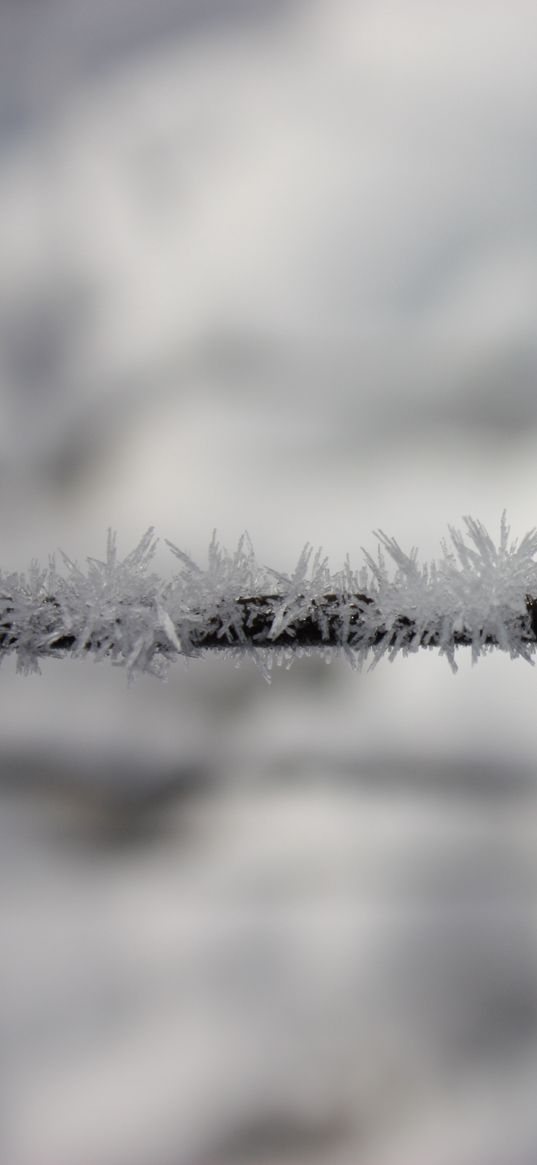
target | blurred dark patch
[
  {"x": 496, "y": 398},
  {"x": 279, "y": 1137},
  {"x": 467, "y": 978},
  {"x": 480, "y": 778},
  {"x": 107, "y": 803},
  {"x": 457, "y": 873},
  {"x": 41, "y": 331},
  {"x": 49, "y": 47},
  {"x": 502, "y": 395}
]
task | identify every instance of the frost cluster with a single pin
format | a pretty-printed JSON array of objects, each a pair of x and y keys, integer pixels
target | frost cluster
[{"x": 478, "y": 593}]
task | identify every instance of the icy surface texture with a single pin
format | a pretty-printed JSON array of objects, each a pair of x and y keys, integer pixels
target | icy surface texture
[
  {"x": 477, "y": 593},
  {"x": 477, "y": 588}
]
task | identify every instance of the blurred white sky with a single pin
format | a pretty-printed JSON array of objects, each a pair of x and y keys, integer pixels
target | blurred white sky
[{"x": 285, "y": 264}]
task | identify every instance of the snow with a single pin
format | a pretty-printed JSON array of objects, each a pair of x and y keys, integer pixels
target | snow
[{"x": 477, "y": 592}]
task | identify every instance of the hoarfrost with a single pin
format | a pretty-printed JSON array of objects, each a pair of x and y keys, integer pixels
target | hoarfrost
[{"x": 477, "y": 594}]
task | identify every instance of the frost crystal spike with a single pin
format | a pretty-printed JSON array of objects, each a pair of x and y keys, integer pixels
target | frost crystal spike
[{"x": 478, "y": 595}]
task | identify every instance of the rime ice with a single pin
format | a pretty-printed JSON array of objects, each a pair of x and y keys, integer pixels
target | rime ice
[{"x": 477, "y": 594}]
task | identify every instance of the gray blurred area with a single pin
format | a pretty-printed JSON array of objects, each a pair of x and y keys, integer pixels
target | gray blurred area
[{"x": 267, "y": 267}]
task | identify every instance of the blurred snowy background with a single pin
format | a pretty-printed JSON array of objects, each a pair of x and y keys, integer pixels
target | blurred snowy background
[{"x": 267, "y": 266}]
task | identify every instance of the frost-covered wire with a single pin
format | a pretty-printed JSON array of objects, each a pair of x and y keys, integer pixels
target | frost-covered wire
[{"x": 479, "y": 594}]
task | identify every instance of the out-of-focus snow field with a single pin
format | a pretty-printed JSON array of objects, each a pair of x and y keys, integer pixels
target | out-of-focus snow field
[{"x": 267, "y": 267}]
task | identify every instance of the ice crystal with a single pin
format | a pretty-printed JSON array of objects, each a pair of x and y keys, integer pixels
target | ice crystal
[{"x": 477, "y": 594}]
